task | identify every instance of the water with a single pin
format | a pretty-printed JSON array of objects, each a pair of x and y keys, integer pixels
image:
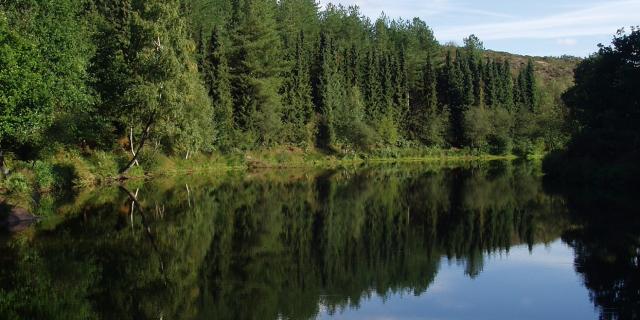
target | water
[{"x": 394, "y": 242}]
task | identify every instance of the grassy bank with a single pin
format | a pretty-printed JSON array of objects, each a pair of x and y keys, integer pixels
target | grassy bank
[{"x": 64, "y": 171}]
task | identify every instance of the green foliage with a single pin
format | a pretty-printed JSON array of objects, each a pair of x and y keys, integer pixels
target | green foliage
[
  {"x": 216, "y": 75},
  {"x": 17, "y": 183},
  {"x": 256, "y": 65},
  {"x": 44, "y": 174},
  {"x": 604, "y": 104},
  {"x": 477, "y": 127},
  {"x": 200, "y": 76}
]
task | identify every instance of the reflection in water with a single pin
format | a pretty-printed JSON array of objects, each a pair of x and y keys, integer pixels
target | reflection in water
[
  {"x": 279, "y": 244},
  {"x": 607, "y": 249},
  {"x": 522, "y": 285}
]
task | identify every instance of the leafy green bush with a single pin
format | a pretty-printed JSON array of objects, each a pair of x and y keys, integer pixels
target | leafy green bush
[
  {"x": 104, "y": 165},
  {"x": 44, "y": 175},
  {"x": 17, "y": 183},
  {"x": 477, "y": 127}
]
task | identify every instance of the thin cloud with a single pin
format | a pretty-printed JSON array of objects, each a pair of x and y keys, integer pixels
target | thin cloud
[
  {"x": 599, "y": 19},
  {"x": 413, "y": 8},
  {"x": 567, "y": 42}
]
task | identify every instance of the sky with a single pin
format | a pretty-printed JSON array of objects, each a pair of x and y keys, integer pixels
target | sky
[{"x": 532, "y": 27}]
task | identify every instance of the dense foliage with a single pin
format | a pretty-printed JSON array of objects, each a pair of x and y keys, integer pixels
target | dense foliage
[
  {"x": 605, "y": 105},
  {"x": 198, "y": 76}
]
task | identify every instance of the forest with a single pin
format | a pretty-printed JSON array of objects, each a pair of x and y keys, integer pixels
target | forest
[{"x": 105, "y": 85}]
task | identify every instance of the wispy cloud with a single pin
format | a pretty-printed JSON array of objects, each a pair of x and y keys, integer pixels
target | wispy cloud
[
  {"x": 412, "y": 8},
  {"x": 597, "y": 19},
  {"x": 567, "y": 42}
]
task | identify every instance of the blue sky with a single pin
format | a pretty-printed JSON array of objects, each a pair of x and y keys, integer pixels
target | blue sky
[{"x": 533, "y": 27}]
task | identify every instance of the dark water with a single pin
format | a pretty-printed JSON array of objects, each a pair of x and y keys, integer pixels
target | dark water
[{"x": 397, "y": 242}]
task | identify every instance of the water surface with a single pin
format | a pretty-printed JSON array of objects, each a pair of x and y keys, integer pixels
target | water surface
[{"x": 481, "y": 241}]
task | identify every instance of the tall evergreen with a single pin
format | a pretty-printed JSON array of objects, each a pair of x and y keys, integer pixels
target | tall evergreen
[
  {"x": 507, "y": 99},
  {"x": 529, "y": 86},
  {"x": 217, "y": 79},
  {"x": 297, "y": 96},
  {"x": 256, "y": 65},
  {"x": 372, "y": 87},
  {"x": 331, "y": 93}
]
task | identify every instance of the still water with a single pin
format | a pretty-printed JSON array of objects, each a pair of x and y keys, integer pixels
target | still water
[{"x": 477, "y": 241}]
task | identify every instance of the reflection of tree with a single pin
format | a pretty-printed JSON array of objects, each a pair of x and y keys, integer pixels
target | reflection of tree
[
  {"x": 259, "y": 248},
  {"x": 607, "y": 250}
]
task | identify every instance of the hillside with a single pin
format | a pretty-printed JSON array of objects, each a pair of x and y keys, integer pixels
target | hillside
[{"x": 547, "y": 68}]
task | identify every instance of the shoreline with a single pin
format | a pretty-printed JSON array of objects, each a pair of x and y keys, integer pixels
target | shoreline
[{"x": 69, "y": 172}]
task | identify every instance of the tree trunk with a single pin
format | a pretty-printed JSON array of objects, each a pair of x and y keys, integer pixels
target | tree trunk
[
  {"x": 145, "y": 135},
  {"x": 133, "y": 151},
  {"x": 3, "y": 169}
]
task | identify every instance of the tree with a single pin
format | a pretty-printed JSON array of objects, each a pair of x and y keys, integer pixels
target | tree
[
  {"x": 256, "y": 66},
  {"x": 217, "y": 79},
  {"x": 426, "y": 124},
  {"x": 297, "y": 99},
  {"x": 331, "y": 93},
  {"x": 166, "y": 93},
  {"x": 605, "y": 102},
  {"x": 529, "y": 86},
  {"x": 44, "y": 53}
]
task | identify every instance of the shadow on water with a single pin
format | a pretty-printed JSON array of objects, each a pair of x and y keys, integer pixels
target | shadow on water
[
  {"x": 607, "y": 247},
  {"x": 281, "y": 244}
]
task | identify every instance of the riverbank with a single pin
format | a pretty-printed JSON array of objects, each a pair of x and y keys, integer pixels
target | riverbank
[{"x": 66, "y": 170}]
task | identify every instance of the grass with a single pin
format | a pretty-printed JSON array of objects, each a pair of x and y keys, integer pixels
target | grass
[{"x": 72, "y": 170}]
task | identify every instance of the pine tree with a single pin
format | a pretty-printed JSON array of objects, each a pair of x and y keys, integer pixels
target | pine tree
[
  {"x": 372, "y": 87},
  {"x": 386, "y": 80},
  {"x": 256, "y": 64},
  {"x": 216, "y": 74},
  {"x": 490, "y": 84},
  {"x": 530, "y": 86},
  {"x": 424, "y": 114},
  {"x": 297, "y": 98},
  {"x": 507, "y": 97},
  {"x": 331, "y": 94},
  {"x": 401, "y": 86},
  {"x": 458, "y": 98}
]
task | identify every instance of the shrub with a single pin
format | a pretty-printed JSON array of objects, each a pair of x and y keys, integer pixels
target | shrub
[
  {"x": 45, "y": 176},
  {"x": 104, "y": 165},
  {"x": 17, "y": 183},
  {"x": 477, "y": 126},
  {"x": 388, "y": 131}
]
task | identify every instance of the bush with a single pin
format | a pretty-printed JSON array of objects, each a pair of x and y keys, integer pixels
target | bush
[
  {"x": 17, "y": 183},
  {"x": 45, "y": 176},
  {"x": 477, "y": 126},
  {"x": 104, "y": 165},
  {"x": 501, "y": 144},
  {"x": 388, "y": 131},
  {"x": 363, "y": 136}
]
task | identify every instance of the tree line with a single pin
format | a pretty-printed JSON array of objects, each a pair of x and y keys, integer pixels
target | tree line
[{"x": 194, "y": 76}]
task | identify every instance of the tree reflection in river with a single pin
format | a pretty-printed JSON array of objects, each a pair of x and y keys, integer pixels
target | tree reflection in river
[{"x": 280, "y": 244}]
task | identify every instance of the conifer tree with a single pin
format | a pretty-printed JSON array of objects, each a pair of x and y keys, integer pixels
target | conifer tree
[
  {"x": 507, "y": 97},
  {"x": 372, "y": 87},
  {"x": 256, "y": 65},
  {"x": 458, "y": 100},
  {"x": 530, "y": 86},
  {"x": 297, "y": 97},
  {"x": 331, "y": 94},
  {"x": 216, "y": 74}
]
